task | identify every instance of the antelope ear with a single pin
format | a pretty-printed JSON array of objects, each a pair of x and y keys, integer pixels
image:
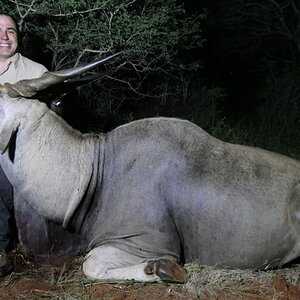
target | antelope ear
[{"x": 7, "y": 129}]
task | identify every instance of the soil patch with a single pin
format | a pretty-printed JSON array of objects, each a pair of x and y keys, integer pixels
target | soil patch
[{"x": 62, "y": 278}]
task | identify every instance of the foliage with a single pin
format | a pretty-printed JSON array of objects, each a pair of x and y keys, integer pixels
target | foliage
[
  {"x": 280, "y": 108},
  {"x": 156, "y": 37},
  {"x": 255, "y": 53},
  {"x": 203, "y": 107},
  {"x": 248, "y": 40},
  {"x": 152, "y": 33},
  {"x": 268, "y": 27}
]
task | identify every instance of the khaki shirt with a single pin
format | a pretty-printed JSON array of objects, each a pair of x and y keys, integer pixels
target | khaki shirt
[{"x": 20, "y": 68}]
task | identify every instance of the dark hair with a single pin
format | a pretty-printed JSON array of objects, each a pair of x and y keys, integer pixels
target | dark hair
[{"x": 19, "y": 39}]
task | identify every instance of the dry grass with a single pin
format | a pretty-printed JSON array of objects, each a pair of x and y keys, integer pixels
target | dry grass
[
  {"x": 210, "y": 279},
  {"x": 36, "y": 280}
]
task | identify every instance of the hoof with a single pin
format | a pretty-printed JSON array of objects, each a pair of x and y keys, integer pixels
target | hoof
[{"x": 166, "y": 270}]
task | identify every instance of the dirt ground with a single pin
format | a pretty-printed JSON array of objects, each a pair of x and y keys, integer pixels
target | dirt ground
[{"x": 62, "y": 278}]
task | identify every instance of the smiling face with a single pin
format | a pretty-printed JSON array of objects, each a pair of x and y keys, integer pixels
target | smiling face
[{"x": 8, "y": 37}]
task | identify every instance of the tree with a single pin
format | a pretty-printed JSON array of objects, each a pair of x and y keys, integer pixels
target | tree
[
  {"x": 152, "y": 33},
  {"x": 258, "y": 47},
  {"x": 265, "y": 26}
]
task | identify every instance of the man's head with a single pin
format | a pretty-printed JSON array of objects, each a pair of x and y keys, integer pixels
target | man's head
[{"x": 9, "y": 36}]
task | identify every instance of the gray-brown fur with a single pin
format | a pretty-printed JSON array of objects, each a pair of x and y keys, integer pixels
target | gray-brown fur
[
  {"x": 153, "y": 188},
  {"x": 166, "y": 186}
]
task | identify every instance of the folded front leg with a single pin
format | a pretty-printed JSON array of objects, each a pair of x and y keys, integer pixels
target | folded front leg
[{"x": 106, "y": 262}]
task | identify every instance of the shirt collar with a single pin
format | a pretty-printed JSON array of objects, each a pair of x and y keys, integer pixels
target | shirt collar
[
  {"x": 13, "y": 63},
  {"x": 15, "y": 59}
]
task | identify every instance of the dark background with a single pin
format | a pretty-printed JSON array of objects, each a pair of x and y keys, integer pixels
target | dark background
[{"x": 246, "y": 89}]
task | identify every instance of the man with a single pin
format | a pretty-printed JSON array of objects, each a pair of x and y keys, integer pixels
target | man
[{"x": 13, "y": 67}]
